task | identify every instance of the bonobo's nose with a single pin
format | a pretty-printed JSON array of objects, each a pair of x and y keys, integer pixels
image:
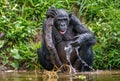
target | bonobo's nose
[{"x": 63, "y": 25}]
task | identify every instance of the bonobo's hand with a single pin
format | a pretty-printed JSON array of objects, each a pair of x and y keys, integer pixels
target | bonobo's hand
[
  {"x": 75, "y": 43},
  {"x": 52, "y": 12}
]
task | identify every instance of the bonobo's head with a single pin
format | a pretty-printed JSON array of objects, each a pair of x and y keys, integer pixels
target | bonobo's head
[{"x": 62, "y": 20}]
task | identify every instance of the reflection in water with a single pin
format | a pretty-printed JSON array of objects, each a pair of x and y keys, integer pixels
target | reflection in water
[
  {"x": 86, "y": 76},
  {"x": 50, "y": 79}
]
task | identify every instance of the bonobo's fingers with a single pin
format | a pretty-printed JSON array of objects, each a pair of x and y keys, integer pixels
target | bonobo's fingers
[
  {"x": 75, "y": 43},
  {"x": 52, "y": 12},
  {"x": 65, "y": 68}
]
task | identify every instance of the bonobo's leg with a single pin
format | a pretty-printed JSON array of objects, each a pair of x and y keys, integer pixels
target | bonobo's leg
[
  {"x": 86, "y": 54},
  {"x": 44, "y": 59}
]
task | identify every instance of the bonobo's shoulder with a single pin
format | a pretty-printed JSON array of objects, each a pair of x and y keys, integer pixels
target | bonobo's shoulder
[{"x": 74, "y": 20}]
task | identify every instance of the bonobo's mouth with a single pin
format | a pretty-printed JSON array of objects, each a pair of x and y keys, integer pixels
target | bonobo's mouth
[{"x": 62, "y": 32}]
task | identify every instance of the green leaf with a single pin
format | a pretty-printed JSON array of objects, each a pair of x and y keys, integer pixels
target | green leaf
[
  {"x": 1, "y": 44},
  {"x": 15, "y": 64},
  {"x": 15, "y": 54}
]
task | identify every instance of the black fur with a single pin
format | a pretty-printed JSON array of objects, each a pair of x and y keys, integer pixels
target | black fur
[{"x": 67, "y": 30}]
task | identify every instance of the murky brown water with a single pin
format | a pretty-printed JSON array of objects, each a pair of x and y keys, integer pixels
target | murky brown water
[{"x": 87, "y": 76}]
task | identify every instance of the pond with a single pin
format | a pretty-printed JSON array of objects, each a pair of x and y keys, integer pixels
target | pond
[{"x": 37, "y": 76}]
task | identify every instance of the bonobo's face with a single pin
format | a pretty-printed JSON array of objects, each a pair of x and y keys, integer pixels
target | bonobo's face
[
  {"x": 62, "y": 21},
  {"x": 61, "y": 25}
]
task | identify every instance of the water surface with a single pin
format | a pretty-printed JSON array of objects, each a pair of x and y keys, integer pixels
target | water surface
[{"x": 37, "y": 76}]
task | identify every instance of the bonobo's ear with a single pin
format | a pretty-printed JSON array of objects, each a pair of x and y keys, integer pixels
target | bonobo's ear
[{"x": 70, "y": 14}]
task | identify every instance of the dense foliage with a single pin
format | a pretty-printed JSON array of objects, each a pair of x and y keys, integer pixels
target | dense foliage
[{"x": 20, "y": 28}]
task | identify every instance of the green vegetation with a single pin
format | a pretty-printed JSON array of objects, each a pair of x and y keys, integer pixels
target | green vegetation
[
  {"x": 21, "y": 20},
  {"x": 103, "y": 17}
]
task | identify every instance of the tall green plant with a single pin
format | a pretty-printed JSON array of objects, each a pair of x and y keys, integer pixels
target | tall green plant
[
  {"x": 20, "y": 21},
  {"x": 102, "y": 17}
]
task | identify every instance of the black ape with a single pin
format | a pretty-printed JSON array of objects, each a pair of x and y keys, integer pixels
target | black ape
[{"x": 67, "y": 30}]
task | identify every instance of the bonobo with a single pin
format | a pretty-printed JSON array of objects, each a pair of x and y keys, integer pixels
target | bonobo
[{"x": 66, "y": 30}]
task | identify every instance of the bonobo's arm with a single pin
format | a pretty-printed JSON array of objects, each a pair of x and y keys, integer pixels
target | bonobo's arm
[
  {"x": 84, "y": 36},
  {"x": 49, "y": 38}
]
